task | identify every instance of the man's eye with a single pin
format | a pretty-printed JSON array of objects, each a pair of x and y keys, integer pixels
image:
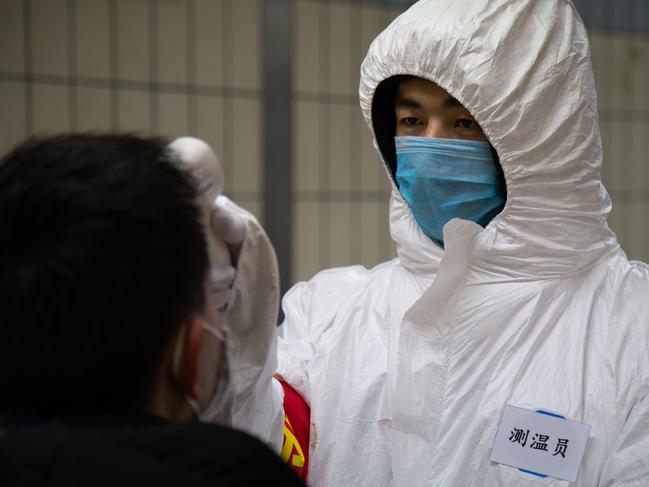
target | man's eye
[
  {"x": 466, "y": 123},
  {"x": 409, "y": 121}
]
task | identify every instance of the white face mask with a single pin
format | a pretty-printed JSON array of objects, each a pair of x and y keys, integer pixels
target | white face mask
[
  {"x": 222, "y": 389},
  {"x": 223, "y": 386}
]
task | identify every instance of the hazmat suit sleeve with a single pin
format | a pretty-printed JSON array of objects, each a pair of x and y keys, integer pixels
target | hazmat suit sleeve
[
  {"x": 253, "y": 401},
  {"x": 295, "y": 347},
  {"x": 311, "y": 310},
  {"x": 628, "y": 463}
]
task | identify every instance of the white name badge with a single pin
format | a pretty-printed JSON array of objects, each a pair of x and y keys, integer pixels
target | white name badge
[{"x": 540, "y": 443}]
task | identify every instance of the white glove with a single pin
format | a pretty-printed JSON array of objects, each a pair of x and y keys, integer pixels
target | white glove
[
  {"x": 244, "y": 286},
  {"x": 255, "y": 287},
  {"x": 250, "y": 323},
  {"x": 199, "y": 160},
  {"x": 225, "y": 226}
]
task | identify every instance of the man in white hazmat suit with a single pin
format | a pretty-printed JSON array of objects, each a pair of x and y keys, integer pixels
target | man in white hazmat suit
[{"x": 408, "y": 368}]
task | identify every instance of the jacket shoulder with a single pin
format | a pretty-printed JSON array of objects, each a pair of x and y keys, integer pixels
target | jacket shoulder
[{"x": 156, "y": 454}]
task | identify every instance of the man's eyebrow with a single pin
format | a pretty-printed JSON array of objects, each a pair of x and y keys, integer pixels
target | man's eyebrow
[
  {"x": 451, "y": 102},
  {"x": 401, "y": 102},
  {"x": 406, "y": 103}
]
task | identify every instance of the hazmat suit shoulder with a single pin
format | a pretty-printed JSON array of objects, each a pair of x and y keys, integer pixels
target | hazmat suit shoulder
[
  {"x": 315, "y": 313},
  {"x": 627, "y": 463},
  {"x": 413, "y": 363},
  {"x": 628, "y": 334},
  {"x": 630, "y": 319}
]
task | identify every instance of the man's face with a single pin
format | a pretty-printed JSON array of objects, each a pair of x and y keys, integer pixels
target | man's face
[{"x": 423, "y": 109}]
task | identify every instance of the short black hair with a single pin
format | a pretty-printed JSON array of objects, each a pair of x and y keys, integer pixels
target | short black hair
[
  {"x": 384, "y": 118},
  {"x": 102, "y": 257}
]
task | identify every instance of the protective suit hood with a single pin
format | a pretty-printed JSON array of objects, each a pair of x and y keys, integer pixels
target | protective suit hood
[{"x": 522, "y": 69}]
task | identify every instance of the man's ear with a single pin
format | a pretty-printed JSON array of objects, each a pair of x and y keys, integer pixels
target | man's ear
[{"x": 188, "y": 356}]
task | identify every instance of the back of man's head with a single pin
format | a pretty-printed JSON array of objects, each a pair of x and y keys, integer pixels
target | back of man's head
[{"x": 102, "y": 256}]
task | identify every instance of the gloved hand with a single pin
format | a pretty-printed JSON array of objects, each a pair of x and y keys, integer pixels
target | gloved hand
[
  {"x": 255, "y": 287},
  {"x": 244, "y": 287},
  {"x": 199, "y": 160},
  {"x": 253, "y": 402},
  {"x": 229, "y": 228}
]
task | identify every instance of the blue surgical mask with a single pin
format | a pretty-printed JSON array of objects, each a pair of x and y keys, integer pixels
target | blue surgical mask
[{"x": 441, "y": 179}]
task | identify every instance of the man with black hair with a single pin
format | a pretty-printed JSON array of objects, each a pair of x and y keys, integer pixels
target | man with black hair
[{"x": 109, "y": 342}]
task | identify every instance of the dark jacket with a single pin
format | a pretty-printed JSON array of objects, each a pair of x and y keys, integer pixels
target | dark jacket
[{"x": 136, "y": 450}]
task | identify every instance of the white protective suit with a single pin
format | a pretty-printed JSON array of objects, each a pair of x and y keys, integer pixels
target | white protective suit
[{"x": 407, "y": 367}]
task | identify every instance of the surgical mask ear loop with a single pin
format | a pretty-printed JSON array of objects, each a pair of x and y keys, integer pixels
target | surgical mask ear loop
[
  {"x": 175, "y": 364},
  {"x": 219, "y": 400},
  {"x": 194, "y": 407},
  {"x": 223, "y": 388}
]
